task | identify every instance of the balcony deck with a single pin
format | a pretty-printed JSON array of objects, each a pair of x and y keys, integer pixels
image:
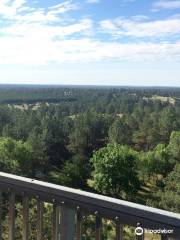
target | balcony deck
[{"x": 70, "y": 205}]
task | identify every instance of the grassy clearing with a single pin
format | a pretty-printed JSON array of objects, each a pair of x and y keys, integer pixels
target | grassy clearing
[{"x": 161, "y": 98}]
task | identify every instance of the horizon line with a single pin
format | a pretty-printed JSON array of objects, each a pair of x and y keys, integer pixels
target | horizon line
[{"x": 89, "y": 85}]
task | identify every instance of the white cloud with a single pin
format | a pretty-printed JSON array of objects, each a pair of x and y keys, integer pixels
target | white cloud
[
  {"x": 19, "y": 10},
  {"x": 64, "y": 7},
  {"x": 108, "y": 26},
  {"x": 166, "y": 4},
  {"x": 39, "y": 36},
  {"x": 43, "y": 31},
  {"x": 18, "y": 3},
  {"x": 140, "y": 29},
  {"x": 9, "y": 9},
  {"x": 36, "y": 50}
]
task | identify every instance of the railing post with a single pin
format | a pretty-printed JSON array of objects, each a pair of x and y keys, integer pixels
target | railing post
[
  {"x": 98, "y": 226},
  {"x": 78, "y": 224},
  {"x": 40, "y": 211},
  {"x": 119, "y": 229},
  {"x": 25, "y": 203},
  {"x": 164, "y": 237},
  {"x": 55, "y": 222},
  {"x": 140, "y": 230},
  {"x": 1, "y": 214},
  {"x": 140, "y": 237},
  {"x": 11, "y": 216},
  {"x": 67, "y": 223}
]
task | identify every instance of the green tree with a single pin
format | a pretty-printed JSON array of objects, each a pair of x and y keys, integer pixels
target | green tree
[
  {"x": 40, "y": 164},
  {"x": 156, "y": 161},
  {"x": 15, "y": 156},
  {"x": 73, "y": 174},
  {"x": 89, "y": 133},
  {"x": 115, "y": 171},
  {"x": 5, "y": 117},
  {"x": 120, "y": 132},
  {"x": 167, "y": 123},
  {"x": 174, "y": 146},
  {"x": 169, "y": 197},
  {"x": 55, "y": 137},
  {"x": 146, "y": 137}
]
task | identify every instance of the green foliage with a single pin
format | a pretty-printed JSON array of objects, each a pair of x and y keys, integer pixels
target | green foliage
[
  {"x": 39, "y": 157},
  {"x": 120, "y": 132},
  {"x": 156, "y": 161},
  {"x": 74, "y": 174},
  {"x": 167, "y": 123},
  {"x": 174, "y": 146},
  {"x": 169, "y": 196},
  {"x": 115, "y": 171},
  {"x": 51, "y": 133},
  {"x": 15, "y": 156},
  {"x": 47, "y": 216},
  {"x": 89, "y": 132}
]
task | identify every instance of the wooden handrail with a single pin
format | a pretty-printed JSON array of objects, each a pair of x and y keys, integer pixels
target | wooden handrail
[{"x": 90, "y": 203}]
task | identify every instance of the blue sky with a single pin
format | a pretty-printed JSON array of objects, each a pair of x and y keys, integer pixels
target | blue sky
[{"x": 99, "y": 42}]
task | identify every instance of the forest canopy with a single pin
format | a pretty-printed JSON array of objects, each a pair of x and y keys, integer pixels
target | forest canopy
[{"x": 118, "y": 141}]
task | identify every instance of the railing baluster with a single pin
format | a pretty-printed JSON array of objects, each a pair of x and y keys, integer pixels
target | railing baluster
[
  {"x": 64, "y": 220},
  {"x": 140, "y": 237},
  {"x": 25, "y": 203},
  {"x": 55, "y": 222},
  {"x": 63, "y": 223},
  {"x": 79, "y": 225},
  {"x": 1, "y": 214},
  {"x": 67, "y": 223},
  {"x": 164, "y": 237},
  {"x": 40, "y": 211},
  {"x": 119, "y": 229},
  {"x": 11, "y": 216},
  {"x": 98, "y": 227}
]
